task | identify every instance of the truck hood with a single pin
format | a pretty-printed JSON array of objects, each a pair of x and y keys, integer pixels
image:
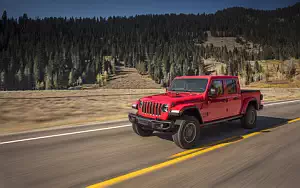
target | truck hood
[{"x": 175, "y": 98}]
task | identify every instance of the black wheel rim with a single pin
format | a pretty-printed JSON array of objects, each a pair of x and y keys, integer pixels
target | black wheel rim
[{"x": 189, "y": 132}]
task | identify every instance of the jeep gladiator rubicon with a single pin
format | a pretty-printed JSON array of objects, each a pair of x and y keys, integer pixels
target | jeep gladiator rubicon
[{"x": 191, "y": 102}]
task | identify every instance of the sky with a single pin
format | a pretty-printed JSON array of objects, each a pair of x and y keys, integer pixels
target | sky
[{"x": 106, "y": 8}]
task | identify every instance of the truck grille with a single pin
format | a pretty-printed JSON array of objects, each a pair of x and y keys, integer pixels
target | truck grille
[{"x": 152, "y": 108}]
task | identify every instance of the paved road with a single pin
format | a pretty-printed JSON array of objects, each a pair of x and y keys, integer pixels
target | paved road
[{"x": 268, "y": 159}]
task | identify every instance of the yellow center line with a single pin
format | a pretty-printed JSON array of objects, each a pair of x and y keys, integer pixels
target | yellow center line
[
  {"x": 159, "y": 166},
  {"x": 153, "y": 168},
  {"x": 251, "y": 134},
  {"x": 204, "y": 147},
  {"x": 294, "y": 120},
  {"x": 268, "y": 130},
  {"x": 186, "y": 152},
  {"x": 183, "y": 156}
]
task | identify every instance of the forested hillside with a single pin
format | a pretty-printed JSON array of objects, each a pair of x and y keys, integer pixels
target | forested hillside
[{"x": 56, "y": 53}]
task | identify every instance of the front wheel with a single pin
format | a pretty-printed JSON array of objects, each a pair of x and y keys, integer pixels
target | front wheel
[
  {"x": 141, "y": 132},
  {"x": 248, "y": 121},
  {"x": 188, "y": 133}
]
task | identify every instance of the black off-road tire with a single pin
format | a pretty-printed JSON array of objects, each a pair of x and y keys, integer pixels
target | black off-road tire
[
  {"x": 248, "y": 121},
  {"x": 181, "y": 138},
  {"x": 141, "y": 132}
]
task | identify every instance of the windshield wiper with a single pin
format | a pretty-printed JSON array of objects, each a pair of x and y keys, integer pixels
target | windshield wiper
[
  {"x": 190, "y": 90},
  {"x": 176, "y": 90}
]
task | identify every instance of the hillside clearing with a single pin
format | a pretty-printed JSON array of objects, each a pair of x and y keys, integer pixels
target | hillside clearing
[
  {"x": 126, "y": 78},
  {"x": 230, "y": 43},
  {"x": 129, "y": 78}
]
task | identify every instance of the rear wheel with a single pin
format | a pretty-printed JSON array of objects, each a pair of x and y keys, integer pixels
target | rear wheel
[
  {"x": 188, "y": 133},
  {"x": 140, "y": 131},
  {"x": 248, "y": 121}
]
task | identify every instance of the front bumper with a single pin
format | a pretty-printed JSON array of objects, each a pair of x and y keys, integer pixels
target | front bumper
[{"x": 152, "y": 124}]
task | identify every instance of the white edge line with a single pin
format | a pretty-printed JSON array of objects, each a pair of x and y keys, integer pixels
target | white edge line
[
  {"x": 63, "y": 127},
  {"x": 283, "y": 102},
  {"x": 106, "y": 128},
  {"x": 63, "y": 134}
]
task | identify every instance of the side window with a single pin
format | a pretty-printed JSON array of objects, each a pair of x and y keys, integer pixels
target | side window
[
  {"x": 218, "y": 85},
  {"x": 231, "y": 86}
]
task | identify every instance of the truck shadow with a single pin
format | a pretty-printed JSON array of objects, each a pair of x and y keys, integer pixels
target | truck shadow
[{"x": 230, "y": 131}]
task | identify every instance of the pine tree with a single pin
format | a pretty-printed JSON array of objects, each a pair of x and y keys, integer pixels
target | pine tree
[
  {"x": 28, "y": 76},
  {"x": 71, "y": 78},
  {"x": 157, "y": 73},
  {"x": 98, "y": 66},
  {"x": 230, "y": 68},
  {"x": 248, "y": 71},
  {"x": 222, "y": 71},
  {"x": 113, "y": 66},
  {"x": 20, "y": 78},
  {"x": 201, "y": 67},
  {"x": 291, "y": 69},
  {"x": 37, "y": 71},
  {"x": 100, "y": 80},
  {"x": 79, "y": 81},
  {"x": 172, "y": 71},
  {"x": 257, "y": 67},
  {"x": 48, "y": 77},
  {"x": 2, "y": 80},
  {"x": 40, "y": 62},
  {"x": 185, "y": 68},
  {"x": 4, "y": 16},
  {"x": 105, "y": 78},
  {"x": 55, "y": 80}
]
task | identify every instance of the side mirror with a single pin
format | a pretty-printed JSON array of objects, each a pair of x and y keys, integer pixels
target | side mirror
[{"x": 212, "y": 92}]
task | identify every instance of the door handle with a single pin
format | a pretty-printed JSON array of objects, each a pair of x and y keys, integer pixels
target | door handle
[{"x": 235, "y": 98}]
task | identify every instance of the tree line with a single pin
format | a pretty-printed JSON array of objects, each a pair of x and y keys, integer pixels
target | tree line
[{"x": 56, "y": 53}]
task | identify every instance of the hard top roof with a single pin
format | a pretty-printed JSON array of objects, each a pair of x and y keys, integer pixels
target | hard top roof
[{"x": 207, "y": 77}]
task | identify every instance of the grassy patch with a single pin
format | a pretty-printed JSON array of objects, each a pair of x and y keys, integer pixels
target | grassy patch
[
  {"x": 28, "y": 110},
  {"x": 276, "y": 84}
]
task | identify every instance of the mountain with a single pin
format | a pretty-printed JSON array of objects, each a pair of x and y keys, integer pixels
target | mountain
[{"x": 56, "y": 53}]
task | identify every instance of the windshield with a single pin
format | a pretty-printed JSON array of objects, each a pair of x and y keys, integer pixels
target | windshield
[{"x": 189, "y": 85}]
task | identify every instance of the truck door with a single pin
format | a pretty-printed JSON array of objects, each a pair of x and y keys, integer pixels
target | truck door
[
  {"x": 233, "y": 95},
  {"x": 216, "y": 106}
]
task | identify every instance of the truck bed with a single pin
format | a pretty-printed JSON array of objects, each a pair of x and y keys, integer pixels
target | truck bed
[{"x": 249, "y": 93}]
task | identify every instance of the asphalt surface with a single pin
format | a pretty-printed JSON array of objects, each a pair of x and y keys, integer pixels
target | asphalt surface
[{"x": 269, "y": 159}]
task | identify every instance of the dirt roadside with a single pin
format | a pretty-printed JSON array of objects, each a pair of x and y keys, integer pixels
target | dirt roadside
[{"x": 31, "y": 110}]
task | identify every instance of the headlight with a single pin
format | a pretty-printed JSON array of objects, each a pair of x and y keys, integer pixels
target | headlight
[
  {"x": 164, "y": 108},
  {"x": 141, "y": 104},
  {"x": 134, "y": 106}
]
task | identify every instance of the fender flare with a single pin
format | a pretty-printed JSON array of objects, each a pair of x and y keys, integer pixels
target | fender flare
[
  {"x": 182, "y": 110},
  {"x": 246, "y": 104}
]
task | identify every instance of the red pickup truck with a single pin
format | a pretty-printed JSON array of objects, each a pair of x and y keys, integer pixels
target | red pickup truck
[{"x": 191, "y": 102}]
